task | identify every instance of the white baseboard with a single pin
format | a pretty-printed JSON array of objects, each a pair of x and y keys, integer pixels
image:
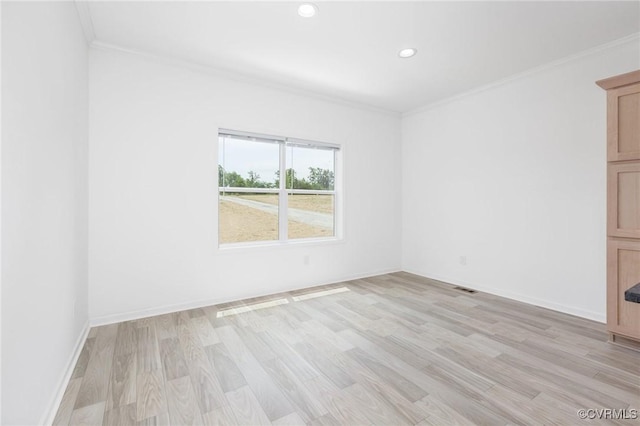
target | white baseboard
[
  {"x": 143, "y": 313},
  {"x": 571, "y": 310},
  {"x": 50, "y": 414}
]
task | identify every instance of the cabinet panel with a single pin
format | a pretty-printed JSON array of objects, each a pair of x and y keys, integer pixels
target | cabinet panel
[
  {"x": 623, "y": 205},
  {"x": 623, "y": 194},
  {"x": 623, "y": 123},
  {"x": 623, "y": 272}
]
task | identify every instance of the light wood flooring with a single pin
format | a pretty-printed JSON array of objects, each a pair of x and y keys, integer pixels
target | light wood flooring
[{"x": 389, "y": 350}]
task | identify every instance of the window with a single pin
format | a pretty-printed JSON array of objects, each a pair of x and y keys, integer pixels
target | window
[{"x": 256, "y": 205}]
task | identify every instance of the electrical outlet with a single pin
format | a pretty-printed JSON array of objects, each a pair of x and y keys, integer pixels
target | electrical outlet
[
  {"x": 463, "y": 260},
  {"x": 306, "y": 259}
]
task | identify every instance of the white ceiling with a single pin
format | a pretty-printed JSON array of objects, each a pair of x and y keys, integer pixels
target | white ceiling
[{"x": 349, "y": 49}]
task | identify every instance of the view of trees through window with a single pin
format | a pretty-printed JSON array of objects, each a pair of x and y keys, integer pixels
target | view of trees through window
[
  {"x": 317, "y": 179},
  {"x": 250, "y": 194}
]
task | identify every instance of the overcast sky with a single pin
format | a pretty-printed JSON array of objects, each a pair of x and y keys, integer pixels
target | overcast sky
[{"x": 242, "y": 156}]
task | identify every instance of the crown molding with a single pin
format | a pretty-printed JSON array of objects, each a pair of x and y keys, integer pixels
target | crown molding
[
  {"x": 635, "y": 37},
  {"x": 84, "y": 14},
  {"x": 234, "y": 76}
]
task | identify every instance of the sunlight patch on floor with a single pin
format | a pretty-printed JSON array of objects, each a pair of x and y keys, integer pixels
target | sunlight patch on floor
[
  {"x": 320, "y": 293},
  {"x": 253, "y": 307}
]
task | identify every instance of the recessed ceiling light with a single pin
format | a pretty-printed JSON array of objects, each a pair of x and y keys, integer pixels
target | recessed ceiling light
[
  {"x": 407, "y": 53},
  {"x": 307, "y": 10}
]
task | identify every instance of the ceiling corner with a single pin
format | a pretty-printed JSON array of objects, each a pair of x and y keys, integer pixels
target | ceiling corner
[{"x": 84, "y": 14}]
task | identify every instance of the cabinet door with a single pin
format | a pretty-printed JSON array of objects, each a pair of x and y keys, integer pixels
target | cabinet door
[
  {"x": 623, "y": 193},
  {"x": 623, "y": 123},
  {"x": 623, "y": 272}
]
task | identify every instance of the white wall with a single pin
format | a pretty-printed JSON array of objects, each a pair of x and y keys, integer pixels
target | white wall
[
  {"x": 0, "y": 214},
  {"x": 513, "y": 178},
  {"x": 44, "y": 203},
  {"x": 153, "y": 199}
]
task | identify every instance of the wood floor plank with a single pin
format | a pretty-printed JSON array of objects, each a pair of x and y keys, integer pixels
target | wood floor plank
[
  {"x": 280, "y": 340},
  {"x": 257, "y": 346},
  {"x": 226, "y": 369},
  {"x": 340, "y": 313},
  {"x": 188, "y": 337},
  {"x": 122, "y": 386},
  {"x": 95, "y": 382},
  {"x": 294, "y": 389},
  {"x": 441, "y": 413},
  {"x": 550, "y": 371},
  {"x": 402, "y": 384},
  {"x": 321, "y": 333},
  {"x": 145, "y": 322},
  {"x": 106, "y": 337},
  {"x": 340, "y": 405},
  {"x": 208, "y": 391},
  {"x": 377, "y": 409},
  {"x": 374, "y": 384},
  {"x": 205, "y": 330},
  {"x": 559, "y": 410},
  {"x": 127, "y": 339},
  {"x": 316, "y": 311},
  {"x": 494, "y": 370},
  {"x": 181, "y": 402},
  {"x": 172, "y": 357},
  {"x": 417, "y": 359},
  {"x": 627, "y": 384},
  {"x": 197, "y": 312},
  {"x": 83, "y": 358},
  {"x": 416, "y": 341},
  {"x": 398, "y": 364},
  {"x": 148, "y": 353},
  {"x": 631, "y": 366},
  {"x": 296, "y": 312},
  {"x": 151, "y": 398},
  {"x": 556, "y": 381},
  {"x": 292, "y": 419},
  {"x": 325, "y": 366},
  {"x": 89, "y": 415},
  {"x": 299, "y": 366},
  {"x": 526, "y": 410},
  {"x": 124, "y": 415},
  {"x": 271, "y": 398},
  {"x": 165, "y": 326},
  {"x": 222, "y": 416},
  {"x": 246, "y": 408},
  {"x": 68, "y": 401},
  {"x": 384, "y": 327},
  {"x": 326, "y": 420},
  {"x": 159, "y": 420},
  {"x": 460, "y": 378}
]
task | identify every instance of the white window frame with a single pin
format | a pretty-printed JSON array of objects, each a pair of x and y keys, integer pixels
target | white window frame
[{"x": 283, "y": 191}]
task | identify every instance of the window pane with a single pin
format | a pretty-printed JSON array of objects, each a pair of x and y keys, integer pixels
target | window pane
[
  {"x": 247, "y": 217},
  {"x": 310, "y": 168},
  {"x": 247, "y": 164},
  {"x": 310, "y": 215},
  {"x": 251, "y": 163}
]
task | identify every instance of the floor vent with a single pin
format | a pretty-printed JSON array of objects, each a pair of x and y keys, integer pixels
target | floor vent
[{"x": 466, "y": 290}]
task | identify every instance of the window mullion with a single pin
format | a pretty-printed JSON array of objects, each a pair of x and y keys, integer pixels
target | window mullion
[{"x": 283, "y": 200}]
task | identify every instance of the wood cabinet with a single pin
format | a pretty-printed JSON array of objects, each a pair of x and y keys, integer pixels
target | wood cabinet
[
  {"x": 623, "y": 205},
  {"x": 623, "y": 272},
  {"x": 623, "y": 199}
]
